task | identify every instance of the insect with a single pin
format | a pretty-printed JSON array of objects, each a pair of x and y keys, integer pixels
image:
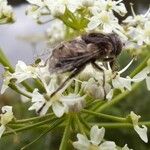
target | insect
[{"x": 72, "y": 56}]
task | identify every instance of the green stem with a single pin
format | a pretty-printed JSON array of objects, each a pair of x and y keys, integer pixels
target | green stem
[
  {"x": 12, "y": 86},
  {"x": 65, "y": 139},
  {"x": 34, "y": 118},
  {"x": 80, "y": 125},
  {"x": 27, "y": 127},
  {"x": 119, "y": 125},
  {"x": 104, "y": 116},
  {"x": 84, "y": 123},
  {"x": 51, "y": 127},
  {"x": 39, "y": 85},
  {"x": 140, "y": 67},
  {"x": 117, "y": 99},
  {"x": 6, "y": 63}
]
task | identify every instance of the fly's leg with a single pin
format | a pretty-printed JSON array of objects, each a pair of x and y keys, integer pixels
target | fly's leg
[
  {"x": 73, "y": 74},
  {"x": 102, "y": 70}
]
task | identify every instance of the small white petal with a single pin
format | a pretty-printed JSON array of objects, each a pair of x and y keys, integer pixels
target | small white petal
[
  {"x": 148, "y": 83},
  {"x": 126, "y": 148},
  {"x": 7, "y": 115},
  {"x": 58, "y": 109},
  {"x": 142, "y": 132},
  {"x": 125, "y": 68},
  {"x": 110, "y": 94},
  {"x": 2, "y": 129},
  {"x": 94, "y": 23},
  {"x": 135, "y": 118},
  {"x": 108, "y": 145},
  {"x": 82, "y": 143},
  {"x": 97, "y": 135}
]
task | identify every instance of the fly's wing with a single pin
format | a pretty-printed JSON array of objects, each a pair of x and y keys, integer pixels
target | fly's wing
[{"x": 70, "y": 55}]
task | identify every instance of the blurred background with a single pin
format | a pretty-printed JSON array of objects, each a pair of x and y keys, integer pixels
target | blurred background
[{"x": 16, "y": 46}]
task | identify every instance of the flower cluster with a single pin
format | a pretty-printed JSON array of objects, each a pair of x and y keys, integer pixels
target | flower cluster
[
  {"x": 96, "y": 141},
  {"x": 93, "y": 15},
  {"x": 6, "y": 117},
  {"x": 6, "y": 13},
  {"x": 60, "y": 103},
  {"x": 138, "y": 31},
  {"x": 93, "y": 83},
  {"x": 56, "y": 93},
  {"x": 111, "y": 79},
  {"x": 141, "y": 131}
]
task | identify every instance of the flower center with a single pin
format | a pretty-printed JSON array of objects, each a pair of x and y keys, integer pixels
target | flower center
[
  {"x": 147, "y": 31},
  {"x": 93, "y": 147},
  {"x": 104, "y": 17}
]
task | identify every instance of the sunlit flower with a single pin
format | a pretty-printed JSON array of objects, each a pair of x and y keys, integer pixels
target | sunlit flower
[
  {"x": 6, "y": 117},
  {"x": 110, "y": 5},
  {"x": 137, "y": 20},
  {"x": 37, "y": 8},
  {"x": 145, "y": 75},
  {"x": 23, "y": 72},
  {"x": 87, "y": 3},
  {"x": 95, "y": 142},
  {"x": 105, "y": 21},
  {"x": 95, "y": 89},
  {"x": 58, "y": 7},
  {"x": 6, "y": 12},
  {"x": 60, "y": 103},
  {"x": 141, "y": 131},
  {"x": 55, "y": 33},
  {"x": 6, "y": 81},
  {"x": 73, "y": 102},
  {"x": 126, "y": 148}
]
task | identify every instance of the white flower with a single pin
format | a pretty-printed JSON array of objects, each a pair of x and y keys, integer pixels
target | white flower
[
  {"x": 95, "y": 142},
  {"x": 104, "y": 20},
  {"x": 37, "y": 8},
  {"x": 56, "y": 33},
  {"x": 6, "y": 117},
  {"x": 6, "y": 13},
  {"x": 36, "y": 2},
  {"x": 119, "y": 82},
  {"x": 141, "y": 131},
  {"x": 6, "y": 81},
  {"x": 73, "y": 102},
  {"x": 126, "y": 148},
  {"x": 145, "y": 75},
  {"x": 39, "y": 102},
  {"x": 110, "y": 5},
  {"x": 23, "y": 72},
  {"x": 58, "y": 7},
  {"x": 60, "y": 103},
  {"x": 137, "y": 20},
  {"x": 88, "y": 3},
  {"x": 95, "y": 89}
]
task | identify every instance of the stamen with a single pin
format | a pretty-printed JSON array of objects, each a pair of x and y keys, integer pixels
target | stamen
[
  {"x": 148, "y": 11},
  {"x": 108, "y": 65},
  {"x": 118, "y": 2},
  {"x": 133, "y": 12},
  {"x": 125, "y": 68}
]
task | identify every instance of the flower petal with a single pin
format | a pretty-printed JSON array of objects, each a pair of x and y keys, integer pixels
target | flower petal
[
  {"x": 97, "y": 135},
  {"x": 82, "y": 143},
  {"x": 142, "y": 132},
  {"x": 148, "y": 83},
  {"x": 108, "y": 145},
  {"x": 58, "y": 109},
  {"x": 2, "y": 129},
  {"x": 94, "y": 22}
]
